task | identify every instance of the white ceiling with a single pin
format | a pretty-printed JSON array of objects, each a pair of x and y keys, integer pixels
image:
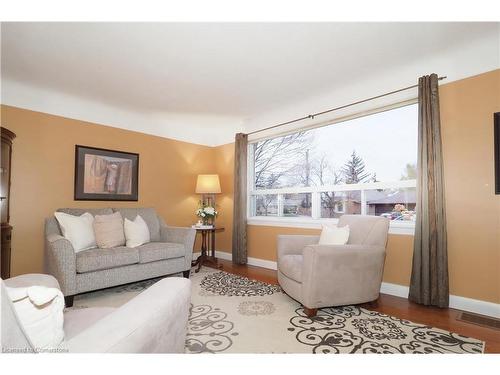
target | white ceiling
[{"x": 196, "y": 80}]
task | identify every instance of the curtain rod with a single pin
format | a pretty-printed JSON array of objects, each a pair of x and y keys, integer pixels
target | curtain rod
[{"x": 337, "y": 108}]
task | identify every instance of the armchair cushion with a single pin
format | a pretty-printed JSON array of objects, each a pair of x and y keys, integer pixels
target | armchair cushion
[
  {"x": 101, "y": 259},
  {"x": 153, "y": 251}
]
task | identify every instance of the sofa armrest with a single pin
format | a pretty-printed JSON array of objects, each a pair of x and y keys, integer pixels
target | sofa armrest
[
  {"x": 153, "y": 322},
  {"x": 182, "y": 235},
  {"x": 293, "y": 244},
  {"x": 61, "y": 262},
  {"x": 340, "y": 270}
]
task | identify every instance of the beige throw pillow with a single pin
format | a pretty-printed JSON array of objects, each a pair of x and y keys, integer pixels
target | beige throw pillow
[
  {"x": 333, "y": 235},
  {"x": 108, "y": 230}
]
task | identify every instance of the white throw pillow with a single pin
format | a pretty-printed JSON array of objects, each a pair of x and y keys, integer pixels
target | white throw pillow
[
  {"x": 78, "y": 230},
  {"x": 40, "y": 311},
  {"x": 333, "y": 235},
  {"x": 136, "y": 232}
]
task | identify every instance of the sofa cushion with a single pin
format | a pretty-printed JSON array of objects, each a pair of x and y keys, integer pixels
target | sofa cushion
[
  {"x": 101, "y": 259},
  {"x": 153, "y": 251},
  {"x": 148, "y": 214},
  {"x": 291, "y": 266}
]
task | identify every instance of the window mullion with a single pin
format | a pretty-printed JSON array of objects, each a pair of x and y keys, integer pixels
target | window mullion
[
  {"x": 280, "y": 205},
  {"x": 363, "y": 202},
  {"x": 316, "y": 205}
]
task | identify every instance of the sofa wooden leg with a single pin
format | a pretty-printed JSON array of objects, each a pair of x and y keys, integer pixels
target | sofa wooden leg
[
  {"x": 186, "y": 273},
  {"x": 68, "y": 300},
  {"x": 310, "y": 312}
]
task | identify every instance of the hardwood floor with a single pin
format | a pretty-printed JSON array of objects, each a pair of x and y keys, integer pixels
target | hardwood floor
[{"x": 396, "y": 306}]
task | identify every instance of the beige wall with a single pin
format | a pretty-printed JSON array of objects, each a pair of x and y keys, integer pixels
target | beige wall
[
  {"x": 224, "y": 159},
  {"x": 473, "y": 210},
  {"x": 42, "y": 180},
  {"x": 43, "y": 172}
]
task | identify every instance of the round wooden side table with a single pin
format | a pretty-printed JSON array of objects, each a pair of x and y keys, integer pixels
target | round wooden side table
[{"x": 207, "y": 247}]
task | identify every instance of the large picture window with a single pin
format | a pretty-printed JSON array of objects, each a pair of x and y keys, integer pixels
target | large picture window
[{"x": 366, "y": 165}]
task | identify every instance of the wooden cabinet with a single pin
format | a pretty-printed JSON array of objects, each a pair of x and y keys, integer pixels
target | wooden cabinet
[{"x": 6, "y": 155}]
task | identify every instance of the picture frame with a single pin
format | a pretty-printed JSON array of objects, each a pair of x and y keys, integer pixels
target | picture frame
[
  {"x": 496, "y": 137},
  {"x": 105, "y": 175}
]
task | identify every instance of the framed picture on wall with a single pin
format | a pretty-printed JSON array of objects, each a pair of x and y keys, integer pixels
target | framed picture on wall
[
  {"x": 496, "y": 136},
  {"x": 106, "y": 175}
]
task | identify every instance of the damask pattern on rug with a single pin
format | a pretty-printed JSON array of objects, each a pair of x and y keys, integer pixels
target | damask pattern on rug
[
  {"x": 209, "y": 331},
  {"x": 227, "y": 284},
  {"x": 253, "y": 308},
  {"x": 352, "y": 329}
]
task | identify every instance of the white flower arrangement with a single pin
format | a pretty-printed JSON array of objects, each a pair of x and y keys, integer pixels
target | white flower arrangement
[{"x": 206, "y": 212}]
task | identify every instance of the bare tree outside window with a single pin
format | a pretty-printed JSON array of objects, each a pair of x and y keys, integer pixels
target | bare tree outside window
[
  {"x": 376, "y": 149},
  {"x": 276, "y": 158}
]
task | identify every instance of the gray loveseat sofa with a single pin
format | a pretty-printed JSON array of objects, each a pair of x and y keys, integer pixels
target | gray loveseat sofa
[{"x": 170, "y": 251}]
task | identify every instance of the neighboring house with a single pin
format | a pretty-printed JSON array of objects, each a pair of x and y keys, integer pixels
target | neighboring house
[
  {"x": 378, "y": 202},
  {"x": 385, "y": 203}
]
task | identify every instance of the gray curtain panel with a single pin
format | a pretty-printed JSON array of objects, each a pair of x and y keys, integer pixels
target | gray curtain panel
[
  {"x": 429, "y": 277},
  {"x": 240, "y": 199}
]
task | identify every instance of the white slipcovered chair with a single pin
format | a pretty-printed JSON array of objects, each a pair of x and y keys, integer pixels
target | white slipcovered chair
[{"x": 155, "y": 321}]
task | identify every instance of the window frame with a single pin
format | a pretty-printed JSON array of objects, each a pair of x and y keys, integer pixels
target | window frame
[{"x": 316, "y": 221}]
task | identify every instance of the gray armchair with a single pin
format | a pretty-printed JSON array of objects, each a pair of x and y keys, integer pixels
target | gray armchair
[
  {"x": 155, "y": 321},
  {"x": 334, "y": 275}
]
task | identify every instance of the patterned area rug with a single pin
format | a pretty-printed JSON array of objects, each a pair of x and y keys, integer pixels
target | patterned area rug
[{"x": 233, "y": 314}]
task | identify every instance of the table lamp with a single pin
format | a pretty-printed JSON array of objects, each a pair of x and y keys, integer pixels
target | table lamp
[{"x": 208, "y": 185}]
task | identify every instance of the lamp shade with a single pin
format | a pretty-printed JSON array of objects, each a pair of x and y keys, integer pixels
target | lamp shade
[{"x": 208, "y": 184}]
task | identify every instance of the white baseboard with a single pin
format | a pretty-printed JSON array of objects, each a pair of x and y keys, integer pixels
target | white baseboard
[
  {"x": 269, "y": 264},
  {"x": 456, "y": 302},
  {"x": 394, "y": 290}
]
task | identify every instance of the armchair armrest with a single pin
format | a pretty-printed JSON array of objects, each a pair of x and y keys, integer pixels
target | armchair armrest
[
  {"x": 32, "y": 279},
  {"x": 61, "y": 262},
  {"x": 341, "y": 272},
  {"x": 182, "y": 235},
  {"x": 153, "y": 322},
  {"x": 293, "y": 244}
]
